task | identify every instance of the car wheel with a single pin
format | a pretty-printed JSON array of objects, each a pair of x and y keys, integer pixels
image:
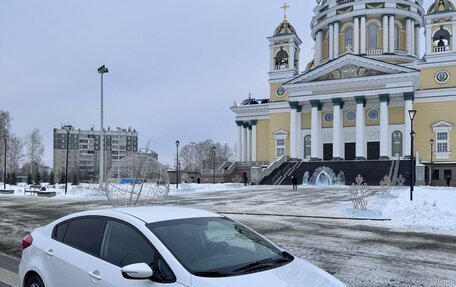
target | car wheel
[{"x": 34, "y": 281}]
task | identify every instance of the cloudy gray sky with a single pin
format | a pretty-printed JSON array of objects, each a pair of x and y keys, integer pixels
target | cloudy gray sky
[{"x": 175, "y": 66}]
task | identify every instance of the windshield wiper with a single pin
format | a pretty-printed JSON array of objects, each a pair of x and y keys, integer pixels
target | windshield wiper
[
  {"x": 265, "y": 263},
  {"x": 211, "y": 274}
]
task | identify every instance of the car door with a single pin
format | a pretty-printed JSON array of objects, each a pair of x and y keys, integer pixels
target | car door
[
  {"x": 122, "y": 245},
  {"x": 70, "y": 250}
]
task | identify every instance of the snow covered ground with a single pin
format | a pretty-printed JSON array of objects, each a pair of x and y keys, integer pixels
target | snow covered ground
[
  {"x": 416, "y": 246},
  {"x": 432, "y": 209}
]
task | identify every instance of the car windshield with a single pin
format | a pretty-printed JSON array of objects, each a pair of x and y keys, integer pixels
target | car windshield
[{"x": 217, "y": 246}]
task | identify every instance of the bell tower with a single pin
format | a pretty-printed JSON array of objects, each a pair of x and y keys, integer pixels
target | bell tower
[
  {"x": 284, "y": 51},
  {"x": 440, "y": 32}
]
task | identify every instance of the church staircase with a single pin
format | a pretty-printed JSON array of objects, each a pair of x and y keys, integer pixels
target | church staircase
[{"x": 372, "y": 171}]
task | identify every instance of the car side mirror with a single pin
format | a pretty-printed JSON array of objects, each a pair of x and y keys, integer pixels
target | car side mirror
[{"x": 138, "y": 271}]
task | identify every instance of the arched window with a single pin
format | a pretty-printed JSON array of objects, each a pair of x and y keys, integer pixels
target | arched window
[
  {"x": 396, "y": 144},
  {"x": 372, "y": 44},
  {"x": 396, "y": 37},
  {"x": 307, "y": 147},
  {"x": 348, "y": 38},
  {"x": 281, "y": 59}
]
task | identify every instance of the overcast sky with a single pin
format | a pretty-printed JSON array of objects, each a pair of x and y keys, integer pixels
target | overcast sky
[{"x": 175, "y": 66}]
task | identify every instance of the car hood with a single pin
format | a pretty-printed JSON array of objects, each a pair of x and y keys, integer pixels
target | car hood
[{"x": 298, "y": 273}]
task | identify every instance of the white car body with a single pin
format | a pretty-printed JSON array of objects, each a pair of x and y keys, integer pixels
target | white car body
[{"x": 59, "y": 264}]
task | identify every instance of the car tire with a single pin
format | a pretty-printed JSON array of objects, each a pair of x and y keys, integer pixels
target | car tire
[{"x": 34, "y": 281}]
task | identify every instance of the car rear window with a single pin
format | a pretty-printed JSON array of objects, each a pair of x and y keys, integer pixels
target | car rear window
[{"x": 84, "y": 233}]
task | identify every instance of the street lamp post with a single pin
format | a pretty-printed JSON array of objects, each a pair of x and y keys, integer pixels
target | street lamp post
[
  {"x": 431, "y": 141},
  {"x": 177, "y": 164},
  {"x": 412, "y": 114},
  {"x": 4, "y": 165},
  {"x": 102, "y": 70},
  {"x": 68, "y": 129},
  {"x": 213, "y": 166}
]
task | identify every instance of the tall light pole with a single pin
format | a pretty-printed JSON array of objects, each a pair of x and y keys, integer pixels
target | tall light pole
[
  {"x": 68, "y": 129},
  {"x": 412, "y": 114},
  {"x": 177, "y": 164},
  {"x": 4, "y": 165},
  {"x": 431, "y": 141},
  {"x": 102, "y": 70},
  {"x": 213, "y": 166}
]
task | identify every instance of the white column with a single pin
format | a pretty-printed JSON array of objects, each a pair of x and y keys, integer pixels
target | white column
[
  {"x": 254, "y": 140},
  {"x": 391, "y": 34},
  {"x": 318, "y": 47},
  {"x": 453, "y": 45},
  {"x": 337, "y": 127},
  {"x": 385, "y": 34},
  {"x": 293, "y": 130},
  {"x": 428, "y": 44},
  {"x": 292, "y": 57},
  {"x": 363, "y": 35},
  {"x": 239, "y": 141},
  {"x": 319, "y": 134},
  {"x": 331, "y": 41},
  {"x": 271, "y": 57},
  {"x": 314, "y": 149},
  {"x": 417, "y": 41},
  {"x": 408, "y": 105},
  {"x": 299, "y": 132},
  {"x": 384, "y": 122},
  {"x": 412, "y": 31},
  {"x": 360, "y": 123},
  {"x": 336, "y": 40},
  {"x": 408, "y": 35},
  {"x": 244, "y": 142},
  {"x": 249, "y": 143},
  {"x": 356, "y": 35}
]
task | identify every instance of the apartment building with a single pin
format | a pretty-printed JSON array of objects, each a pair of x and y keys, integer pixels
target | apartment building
[{"x": 84, "y": 150}]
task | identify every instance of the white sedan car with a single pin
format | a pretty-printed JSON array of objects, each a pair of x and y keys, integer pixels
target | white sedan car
[{"x": 158, "y": 246}]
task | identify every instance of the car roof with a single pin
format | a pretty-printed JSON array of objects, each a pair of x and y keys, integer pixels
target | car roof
[{"x": 151, "y": 214}]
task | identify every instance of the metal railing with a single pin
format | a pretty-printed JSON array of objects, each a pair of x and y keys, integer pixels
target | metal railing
[
  {"x": 440, "y": 49},
  {"x": 374, "y": 52}
]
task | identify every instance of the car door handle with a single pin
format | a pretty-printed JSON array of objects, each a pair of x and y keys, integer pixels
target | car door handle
[
  {"x": 49, "y": 252},
  {"x": 95, "y": 274}
]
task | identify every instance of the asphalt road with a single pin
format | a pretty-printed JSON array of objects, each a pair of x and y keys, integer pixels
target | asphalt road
[{"x": 360, "y": 253}]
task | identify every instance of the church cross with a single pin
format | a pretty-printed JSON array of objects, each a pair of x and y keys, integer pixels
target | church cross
[{"x": 285, "y": 7}]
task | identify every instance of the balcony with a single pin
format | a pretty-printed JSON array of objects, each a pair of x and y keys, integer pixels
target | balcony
[
  {"x": 340, "y": 2},
  {"x": 374, "y": 52},
  {"x": 441, "y": 49}
]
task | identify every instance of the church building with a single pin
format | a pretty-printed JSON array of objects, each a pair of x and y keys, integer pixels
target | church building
[{"x": 368, "y": 93}]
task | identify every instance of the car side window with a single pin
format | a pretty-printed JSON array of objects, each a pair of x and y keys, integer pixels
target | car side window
[
  {"x": 122, "y": 245},
  {"x": 83, "y": 233}
]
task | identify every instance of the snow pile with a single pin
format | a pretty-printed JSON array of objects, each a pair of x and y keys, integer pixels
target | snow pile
[{"x": 432, "y": 209}]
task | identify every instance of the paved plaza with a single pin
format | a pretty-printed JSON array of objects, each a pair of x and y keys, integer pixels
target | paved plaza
[{"x": 359, "y": 252}]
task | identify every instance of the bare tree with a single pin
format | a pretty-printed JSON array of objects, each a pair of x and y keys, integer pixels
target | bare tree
[
  {"x": 34, "y": 149},
  {"x": 15, "y": 153},
  {"x": 5, "y": 126},
  {"x": 197, "y": 156}
]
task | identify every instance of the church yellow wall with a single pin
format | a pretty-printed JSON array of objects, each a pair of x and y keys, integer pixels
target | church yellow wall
[
  {"x": 422, "y": 125},
  {"x": 262, "y": 140},
  {"x": 276, "y": 122},
  {"x": 325, "y": 50},
  {"x": 370, "y": 122},
  {"x": 428, "y": 78},
  {"x": 325, "y": 124},
  {"x": 396, "y": 115},
  {"x": 379, "y": 38},
  {"x": 305, "y": 120},
  {"x": 349, "y": 123},
  {"x": 272, "y": 92}
]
